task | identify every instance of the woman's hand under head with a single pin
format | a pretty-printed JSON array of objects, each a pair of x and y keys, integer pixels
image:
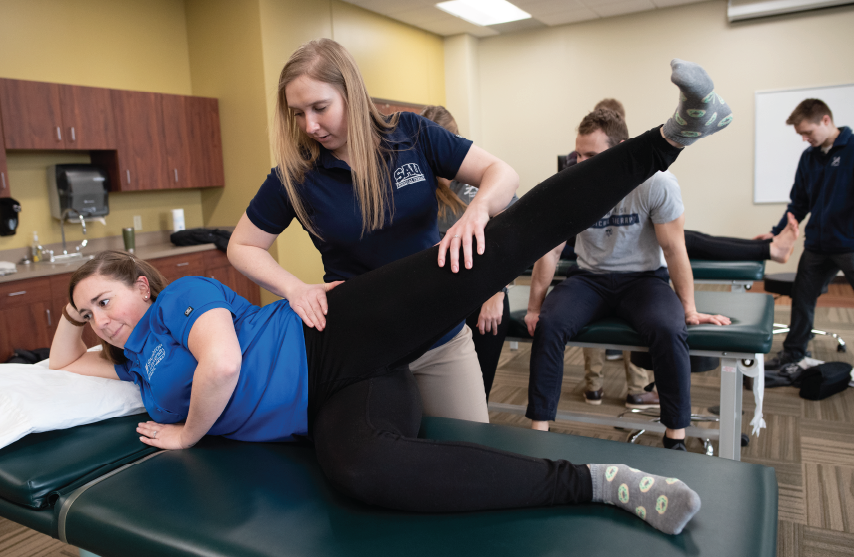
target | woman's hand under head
[
  {"x": 112, "y": 307},
  {"x": 321, "y": 113}
]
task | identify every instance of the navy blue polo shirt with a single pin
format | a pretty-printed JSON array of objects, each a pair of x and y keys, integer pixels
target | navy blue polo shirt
[
  {"x": 270, "y": 401},
  {"x": 824, "y": 186},
  {"x": 420, "y": 150}
]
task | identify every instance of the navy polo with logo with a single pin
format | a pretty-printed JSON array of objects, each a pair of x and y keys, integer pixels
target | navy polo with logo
[
  {"x": 270, "y": 401},
  {"x": 419, "y": 150}
]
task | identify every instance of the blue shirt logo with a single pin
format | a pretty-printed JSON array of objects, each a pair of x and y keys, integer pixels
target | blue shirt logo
[{"x": 408, "y": 174}]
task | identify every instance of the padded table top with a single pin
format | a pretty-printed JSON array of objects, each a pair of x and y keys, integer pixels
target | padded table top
[
  {"x": 750, "y": 332},
  {"x": 702, "y": 269},
  {"x": 226, "y": 498}
]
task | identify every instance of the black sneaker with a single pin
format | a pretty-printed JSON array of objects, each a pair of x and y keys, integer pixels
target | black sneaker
[
  {"x": 674, "y": 444},
  {"x": 594, "y": 397},
  {"x": 781, "y": 359},
  {"x": 613, "y": 355}
]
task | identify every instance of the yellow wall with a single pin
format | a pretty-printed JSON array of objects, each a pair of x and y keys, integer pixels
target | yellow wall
[
  {"x": 536, "y": 86},
  {"x": 132, "y": 44}
]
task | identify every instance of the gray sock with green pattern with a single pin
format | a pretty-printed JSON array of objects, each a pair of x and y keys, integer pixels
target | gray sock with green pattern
[
  {"x": 664, "y": 503},
  {"x": 701, "y": 111}
]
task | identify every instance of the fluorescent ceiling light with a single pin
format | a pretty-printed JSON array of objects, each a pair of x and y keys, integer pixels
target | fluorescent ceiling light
[{"x": 483, "y": 12}]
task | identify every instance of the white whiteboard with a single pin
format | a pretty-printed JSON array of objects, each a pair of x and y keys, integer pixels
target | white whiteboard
[{"x": 778, "y": 147}]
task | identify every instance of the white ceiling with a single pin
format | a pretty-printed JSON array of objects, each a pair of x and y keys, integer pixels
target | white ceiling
[{"x": 545, "y": 13}]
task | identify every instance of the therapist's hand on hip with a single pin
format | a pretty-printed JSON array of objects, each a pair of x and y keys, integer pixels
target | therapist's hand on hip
[{"x": 309, "y": 302}]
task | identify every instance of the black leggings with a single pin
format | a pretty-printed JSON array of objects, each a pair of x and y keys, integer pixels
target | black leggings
[
  {"x": 364, "y": 408},
  {"x": 721, "y": 248}
]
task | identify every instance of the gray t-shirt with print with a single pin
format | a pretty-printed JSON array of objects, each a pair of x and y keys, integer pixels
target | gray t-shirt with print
[{"x": 624, "y": 240}]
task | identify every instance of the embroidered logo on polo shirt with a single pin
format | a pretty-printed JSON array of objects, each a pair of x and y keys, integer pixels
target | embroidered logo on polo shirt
[
  {"x": 188, "y": 311},
  {"x": 836, "y": 161},
  {"x": 156, "y": 357},
  {"x": 407, "y": 174}
]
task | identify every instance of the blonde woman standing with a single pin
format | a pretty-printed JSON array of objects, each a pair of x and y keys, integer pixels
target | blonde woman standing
[{"x": 364, "y": 187}]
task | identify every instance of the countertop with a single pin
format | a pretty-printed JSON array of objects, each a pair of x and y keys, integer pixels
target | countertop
[{"x": 149, "y": 245}]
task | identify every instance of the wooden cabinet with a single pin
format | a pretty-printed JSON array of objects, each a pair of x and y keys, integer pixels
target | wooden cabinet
[
  {"x": 4, "y": 171},
  {"x": 25, "y": 315},
  {"x": 30, "y": 309},
  {"x": 87, "y": 117},
  {"x": 140, "y": 155},
  {"x": 53, "y": 116},
  {"x": 192, "y": 140}
]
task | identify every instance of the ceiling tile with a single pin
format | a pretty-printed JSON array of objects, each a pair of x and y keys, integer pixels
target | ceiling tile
[
  {"x": 573, "y": 16},
  {"x": 624, "y": 7},
  {"x": 669, "y": 3},
  {"x": 421, "y": 15},
  {"x": 454, "y": 26},
  {"x": 386, "y": 7},
  {"x": 546, "y": 7}
]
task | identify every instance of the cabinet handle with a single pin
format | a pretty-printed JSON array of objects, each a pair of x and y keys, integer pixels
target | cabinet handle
[
  {"x": 49, "y": 323},
  {"x": 73, "y": 136},
  {"x": 176, "y": 175},
  {"x": 58, "y": 134},
  {"x": 21, "y": 293},
  {"x": 182, "y": 264},
  {"x": 3, "y": 179},
  {"x": 128, "y": 174}
]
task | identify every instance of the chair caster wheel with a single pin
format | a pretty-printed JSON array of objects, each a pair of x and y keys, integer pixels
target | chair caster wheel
[
  {"x": 842, "y": 348},
  {"x": 745, "y": 439}
]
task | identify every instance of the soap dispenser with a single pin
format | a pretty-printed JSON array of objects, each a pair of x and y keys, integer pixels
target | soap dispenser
[{"x": 36, "y": 249}]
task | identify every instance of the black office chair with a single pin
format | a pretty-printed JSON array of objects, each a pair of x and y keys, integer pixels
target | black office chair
[{"x": 781, "y": 284}]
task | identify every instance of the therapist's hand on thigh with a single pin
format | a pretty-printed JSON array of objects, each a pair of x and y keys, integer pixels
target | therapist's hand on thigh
[
  {"x": 309, "y": 302},
  {"x": 466, "y": 233}
]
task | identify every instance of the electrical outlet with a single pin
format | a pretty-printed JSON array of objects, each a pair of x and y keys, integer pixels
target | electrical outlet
[{"x": 137, "y": 222}]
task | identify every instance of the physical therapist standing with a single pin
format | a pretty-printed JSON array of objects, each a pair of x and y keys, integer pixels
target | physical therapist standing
[{"x": 363, "y": 186}]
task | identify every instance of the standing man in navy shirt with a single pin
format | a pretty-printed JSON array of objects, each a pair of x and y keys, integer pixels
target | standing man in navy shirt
[
  {"x": 364, "y": 186},
  {"x": 824, "y": 188}
]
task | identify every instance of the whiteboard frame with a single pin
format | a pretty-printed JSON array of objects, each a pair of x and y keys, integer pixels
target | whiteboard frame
[{"x": 810, "y": 92}]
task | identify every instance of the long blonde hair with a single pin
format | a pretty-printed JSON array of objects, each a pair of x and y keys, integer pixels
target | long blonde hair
[
  {"x": 446, "y": 199},
  {"x": 326, "y": 61}
]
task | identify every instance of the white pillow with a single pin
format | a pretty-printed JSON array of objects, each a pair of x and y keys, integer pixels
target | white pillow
[{"x": 34, "y": 398}]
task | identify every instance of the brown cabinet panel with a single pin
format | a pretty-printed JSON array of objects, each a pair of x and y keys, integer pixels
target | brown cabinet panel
[
  {"x": 177, "y": 141},
  {"x": 59, "y": 294},
  {"x": 4, "y": 170},
  {"x": 24, "y": 327},
  {"x": 205, "y": 141},
  {"x": 177, "y": 266},
  {"x": 31, "y": 114},
  {"x": 87, "y": 117},
  {"x": 24, "y": 292},
  {"x": 139, "y": 141}
]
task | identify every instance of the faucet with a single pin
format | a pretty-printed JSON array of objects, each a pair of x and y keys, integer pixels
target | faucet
[{"x": 65, "y": 254}]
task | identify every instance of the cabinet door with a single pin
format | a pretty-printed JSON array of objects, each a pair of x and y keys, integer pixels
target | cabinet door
[
  {"x": 205, "y": 141},
  {"x": 59, "y": 294},
  {"x": 177, "y": 266},
  {"x": 4, "y": 171},
  {"x": 139, "y": 141},
  {"x": 233, "y": 279},
  {"x": 27, "y": 327},
  {"x": 177, "y": 141},
  {"x": 31, "y": 114},
  {"x": 87, "y": 117}
]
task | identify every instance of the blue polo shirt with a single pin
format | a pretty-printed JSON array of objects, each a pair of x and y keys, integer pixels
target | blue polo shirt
[
  {"x": 419, "y": 151},
  {"x": 824, "y": 186},
  {"x": 270, "y": 401}
]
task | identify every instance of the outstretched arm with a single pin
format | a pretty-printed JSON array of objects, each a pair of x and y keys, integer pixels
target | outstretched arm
[
  {"x": 541, "y": 278},
  {"x": 68, "y": 352},
  {"x": 213, "y": 342},
  {"x": 497, "y": 182},
  {"x": 671, "y": 238}
]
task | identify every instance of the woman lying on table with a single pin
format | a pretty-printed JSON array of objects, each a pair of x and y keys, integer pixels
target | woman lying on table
[{"x": 209, "y": 363}]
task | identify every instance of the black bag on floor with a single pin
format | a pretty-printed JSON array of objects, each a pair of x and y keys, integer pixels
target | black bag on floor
[
  {"x": 22, "y": 356},
  {"x": 821, "y": 381}
]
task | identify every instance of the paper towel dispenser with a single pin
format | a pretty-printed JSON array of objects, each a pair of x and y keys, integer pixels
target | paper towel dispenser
[{"x": 81, "y": 189}]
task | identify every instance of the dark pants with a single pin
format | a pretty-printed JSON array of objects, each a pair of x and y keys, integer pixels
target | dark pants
[
  {"x": 721, "y": 248},
  {"x": 364, "y": 408},
  {"x": 814, "y": 271},
  {"x": 646, "y": 302},
  {"x": 488, "y": 346}
]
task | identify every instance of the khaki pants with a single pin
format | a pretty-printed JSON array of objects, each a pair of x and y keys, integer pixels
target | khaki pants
[
  {"x": 594, "y": 361},
  {"x": 450, "y": 380}
]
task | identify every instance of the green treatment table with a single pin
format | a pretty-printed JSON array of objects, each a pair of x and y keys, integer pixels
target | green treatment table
[
  {"x": 227, "y": 498},
  {"x": 741, "y": 347}
]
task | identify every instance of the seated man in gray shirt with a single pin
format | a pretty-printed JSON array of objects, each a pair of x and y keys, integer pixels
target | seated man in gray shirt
[{"x": 623, "y": 263}]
